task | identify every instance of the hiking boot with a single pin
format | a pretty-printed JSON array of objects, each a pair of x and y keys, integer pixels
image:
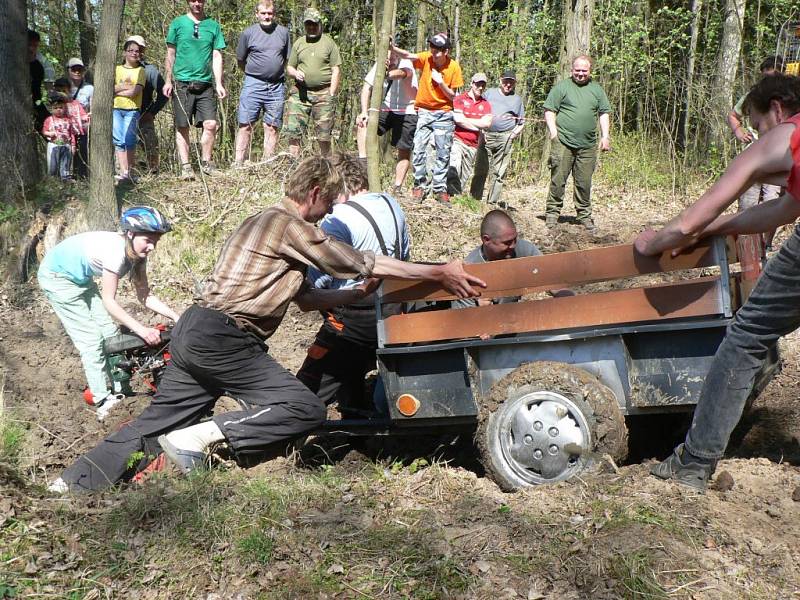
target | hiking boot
[
  {"x": 551, "y": 221},
  {"x": 418, "y": 194},
  {"x": 209, "y": 168},
  {"x": 442, "y": 197},
  {"x": 588, "y": 224},
  {"x": 691, "y": 474},
  {"x": 187, "y": 173}
]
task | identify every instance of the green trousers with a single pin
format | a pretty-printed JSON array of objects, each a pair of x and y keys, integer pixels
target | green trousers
[{"x": 581, "y": 163}]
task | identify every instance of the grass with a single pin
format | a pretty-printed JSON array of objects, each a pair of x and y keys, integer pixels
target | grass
[
  {"x": 636, "y": 576},
  {"x": 12, "y": 435}
]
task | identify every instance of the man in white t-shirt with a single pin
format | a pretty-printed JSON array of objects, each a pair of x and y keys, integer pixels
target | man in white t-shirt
[{"x": 397, "y": 113}]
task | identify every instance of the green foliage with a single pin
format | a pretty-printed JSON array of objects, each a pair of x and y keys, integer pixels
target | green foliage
[
  {"x": 134, "y": 459},
  {"x": 12, "y": 436},
  {"x": 256, "y": 546},
  {"x": 636, "y": 162}
]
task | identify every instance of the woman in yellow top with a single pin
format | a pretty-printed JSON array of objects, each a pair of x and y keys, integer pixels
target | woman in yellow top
[{"x": 129, "y": 80}]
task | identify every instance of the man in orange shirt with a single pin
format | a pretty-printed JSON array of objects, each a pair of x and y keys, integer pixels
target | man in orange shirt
[{"x": 440, "y": 77}]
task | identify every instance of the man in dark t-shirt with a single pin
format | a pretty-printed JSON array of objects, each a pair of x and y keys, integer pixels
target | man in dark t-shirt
[
  {"x": 40, "y": 112},
  {"x": 262, "y": 53}
]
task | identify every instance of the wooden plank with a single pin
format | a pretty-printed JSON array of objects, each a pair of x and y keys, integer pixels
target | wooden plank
[
  {"x": 519, "y": 276},
  {"x": 696, "y": 298}
]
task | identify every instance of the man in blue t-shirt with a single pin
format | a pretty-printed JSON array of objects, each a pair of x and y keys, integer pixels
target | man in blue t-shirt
[
  {"x": 494, "y": 148},
  {"x": 261, "y": 54}
]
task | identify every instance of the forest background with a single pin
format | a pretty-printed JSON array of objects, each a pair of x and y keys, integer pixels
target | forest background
[{"x": 672, "y": 70}]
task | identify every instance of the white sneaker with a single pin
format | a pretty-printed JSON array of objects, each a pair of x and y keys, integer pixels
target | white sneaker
[
  {"x": 59, "y": 486},
  {"x": 107, "y": 404}
]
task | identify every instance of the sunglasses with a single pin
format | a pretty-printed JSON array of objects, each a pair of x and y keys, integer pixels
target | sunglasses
[
  {"x": 196, "y": 33},
  {"x": 76, "y": 68}
]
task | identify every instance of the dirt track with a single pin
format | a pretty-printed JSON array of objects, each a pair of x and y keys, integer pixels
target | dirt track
[{"x": 758, "y": 518}]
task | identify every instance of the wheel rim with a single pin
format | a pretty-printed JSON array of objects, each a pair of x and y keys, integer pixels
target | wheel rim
[{"x": 535, "y": 428}]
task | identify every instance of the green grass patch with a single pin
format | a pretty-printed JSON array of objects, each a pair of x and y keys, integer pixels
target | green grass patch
[
  {"x": 256, "y": 546},
  {"x": 636, "y": 576},
  {"x": 468, "y": 202},
  {"x": 638, "y": 162}
]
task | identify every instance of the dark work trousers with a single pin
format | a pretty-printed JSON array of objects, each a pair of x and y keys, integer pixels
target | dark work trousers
[
  {"x": 581, "y": 163},
  {"x": 81, "y": 161},
  {"x": 339, "y": 360},
  {"x": 211, "y": 357}
]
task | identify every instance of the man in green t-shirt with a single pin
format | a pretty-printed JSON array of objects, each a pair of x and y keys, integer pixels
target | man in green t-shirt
[
  {"x": 571, "y": 112},
  {"x": 193, "y": 76},
  {"x": 314, "y": 64}
]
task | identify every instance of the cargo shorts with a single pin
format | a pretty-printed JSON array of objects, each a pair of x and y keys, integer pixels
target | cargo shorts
[{"x": 304, "y": 103}]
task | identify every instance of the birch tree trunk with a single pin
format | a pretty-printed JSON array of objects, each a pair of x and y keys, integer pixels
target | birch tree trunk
[
  {"x": 381, "y": 51},
  {"x": 456, "y": 34},
  {"x": 727, "y": 65},
  {"x": 103, "y": 209},
  {"x": 683, "y": 134},
  {"x": 19, "y": 167}
]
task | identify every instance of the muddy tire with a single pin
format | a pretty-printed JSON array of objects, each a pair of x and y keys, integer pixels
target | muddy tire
[{"x": 534, "y": 412}]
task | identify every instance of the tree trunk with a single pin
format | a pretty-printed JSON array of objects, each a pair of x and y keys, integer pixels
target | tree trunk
[
  {"x": 19, "y": 167},
  {"x": 577, "y": 31},
  {"x": 456, "y": 34},
  {"x": 727, "y": 64},
  {"x": 86, "y": 32},
  {"x": 486, "y": 7},
  {"x": 422, "y": 27},
  {"x": 683, "y": 133},
  {"x": 103, "y": 210},
  {"x": 381, "y": 50}
]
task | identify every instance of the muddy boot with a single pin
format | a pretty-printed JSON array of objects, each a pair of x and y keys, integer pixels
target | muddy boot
[{"x": 685, "y": 469}]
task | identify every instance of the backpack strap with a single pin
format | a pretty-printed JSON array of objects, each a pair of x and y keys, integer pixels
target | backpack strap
[{"x": 371, "y": 221}]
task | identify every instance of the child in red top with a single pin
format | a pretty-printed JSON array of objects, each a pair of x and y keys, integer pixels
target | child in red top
[
  {"x": 75, "y": 109},
  {"x": 62, "y": 133}
]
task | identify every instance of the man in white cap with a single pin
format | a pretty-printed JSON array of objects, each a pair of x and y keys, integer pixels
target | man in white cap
[
  {"x": 472, "y": 114},
  {"x": 153, "y": 100}
]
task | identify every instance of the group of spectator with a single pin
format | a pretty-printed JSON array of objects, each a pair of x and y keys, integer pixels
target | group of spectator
[{"x": 471, "y": 131}]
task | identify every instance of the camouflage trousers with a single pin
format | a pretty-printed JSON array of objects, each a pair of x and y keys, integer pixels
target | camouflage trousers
[{"x": 302, "y": 105}]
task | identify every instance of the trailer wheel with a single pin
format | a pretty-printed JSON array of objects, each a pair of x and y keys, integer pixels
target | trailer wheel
[{"x": 536, "y": 420}]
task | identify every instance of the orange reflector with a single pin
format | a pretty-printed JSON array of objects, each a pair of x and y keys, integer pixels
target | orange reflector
[{"x": 408, "y": 405}]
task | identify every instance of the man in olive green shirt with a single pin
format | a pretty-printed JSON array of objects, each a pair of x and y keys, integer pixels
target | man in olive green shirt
[
  {"x": 314, "y": 64},
  {"x": 571, "y": 112}
]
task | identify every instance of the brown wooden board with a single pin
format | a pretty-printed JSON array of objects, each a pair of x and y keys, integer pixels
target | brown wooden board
[
  {"x": 519, "y": 276},
  {"x": 695, "y": 298}
]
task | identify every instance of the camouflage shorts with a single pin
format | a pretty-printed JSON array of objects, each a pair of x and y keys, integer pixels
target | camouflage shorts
[{"x": 304, "y": 103}]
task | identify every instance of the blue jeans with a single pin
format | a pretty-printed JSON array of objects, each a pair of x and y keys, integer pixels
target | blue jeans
[
  {"x": 124, "y": 128},
  {"x": 59, "y": 160},
  {"x": 440, "y": 125},
  {"x": 771, "y": 311},
  {"x": 261, "y": 96}
]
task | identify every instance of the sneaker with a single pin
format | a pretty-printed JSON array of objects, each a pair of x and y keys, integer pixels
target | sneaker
[
  {"x": 551, "y": 221},
  {"x": 187, "y": 173},
  {"x": 209, "y": 168},
  {"x": 107, "y": 404},
  {"x": 588, "y": 225},
  {"x": 418, "y": 194},
  {"x": 59, "y": 486},
  {"x": 691, "y": 474},
  {"x": 184, "y": 459},
  {"x": 442, "y": 197}
]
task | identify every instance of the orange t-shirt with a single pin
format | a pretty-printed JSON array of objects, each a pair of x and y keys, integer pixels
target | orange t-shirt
[
  {"x": 793, "y": 184},
  {"x": 429, "y": 96}
]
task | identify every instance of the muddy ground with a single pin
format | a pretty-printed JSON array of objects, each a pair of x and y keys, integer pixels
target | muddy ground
[{"x": 748, "y": 536}]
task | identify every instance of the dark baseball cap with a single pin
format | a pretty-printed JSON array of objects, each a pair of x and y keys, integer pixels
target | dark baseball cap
[
  {"x": 509, "y": 74},
  {"x": 440, "y": 40}
]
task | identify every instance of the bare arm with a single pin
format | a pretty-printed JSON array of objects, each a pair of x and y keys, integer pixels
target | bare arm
[
  {"x": 765, "y": 160},
  {"x": 452, "y": 275},
  {"x": 472, "y": 124},
  {"x": 756, "y": 219},
  {"x": 605, "y": 127},
  {"x": 403, "y": 53},
  {"x": 336, "y": 75},
  {"x": 296, "y": 73},
  {"x": 737, "y": 127},
  {"x": 126, "y": 91},
  {"x": 150, "y": 301},
  {"x": 109, "y": 296},
  {"x": 550, "y": 120},
  {"x": 216, "y": 67},
  {"x": 169, "y": 62},
  {"x": 363, "y": 116},
  {"x": 321, "y": 299}
]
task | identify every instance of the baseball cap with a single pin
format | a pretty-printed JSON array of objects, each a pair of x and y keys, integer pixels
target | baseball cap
[
  {"x": 509, "y": 74},
  {"x": 139, "y": 40},
  {"x": 313, "y": 15},
  {"x": 479, "y": 77},
  {"x": 75, "y": 62},
  {"x": 439, "y": 40}
]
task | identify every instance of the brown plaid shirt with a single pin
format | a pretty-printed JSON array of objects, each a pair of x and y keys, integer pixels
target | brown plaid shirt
[{"x": 263, "y": 266}]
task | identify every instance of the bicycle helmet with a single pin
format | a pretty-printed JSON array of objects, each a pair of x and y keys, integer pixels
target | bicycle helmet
[{"x": 144, "y": 219}]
